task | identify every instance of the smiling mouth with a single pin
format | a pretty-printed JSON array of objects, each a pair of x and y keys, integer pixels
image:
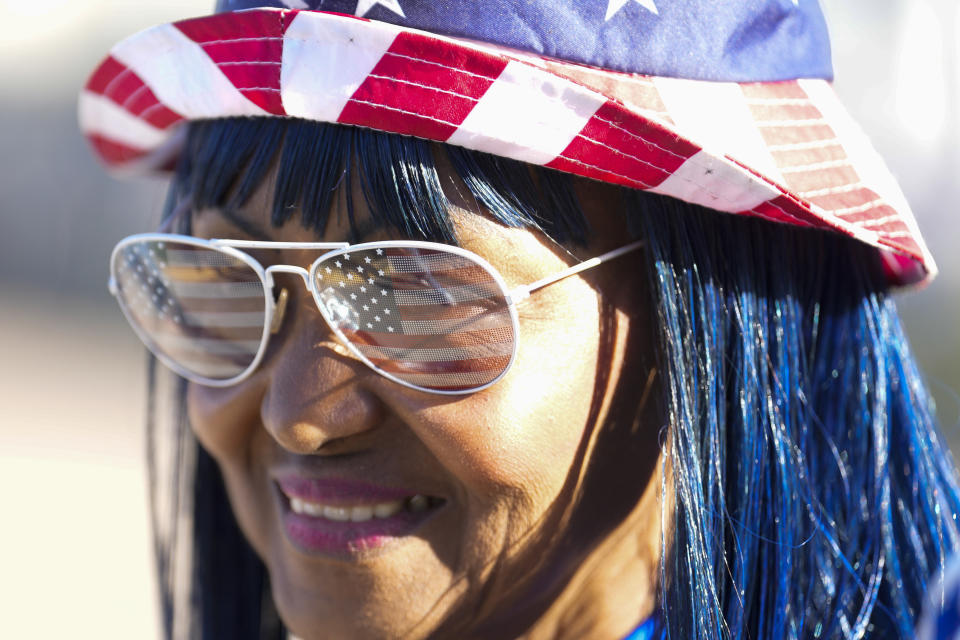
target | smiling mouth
[
  {"x": 418, "y": 503},
  {"x": 345, "y": 527}
]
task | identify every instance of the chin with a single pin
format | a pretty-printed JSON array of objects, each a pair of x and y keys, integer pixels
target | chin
[{"x": 397, "y": 590}]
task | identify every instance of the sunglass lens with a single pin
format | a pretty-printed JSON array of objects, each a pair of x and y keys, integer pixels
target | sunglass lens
[
  {"x": 195, "y": 307},
  {"x": 431, "y": 318}
]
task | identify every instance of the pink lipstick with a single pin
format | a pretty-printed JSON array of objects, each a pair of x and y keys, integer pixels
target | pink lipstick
[{"x": 342, "y": 517}]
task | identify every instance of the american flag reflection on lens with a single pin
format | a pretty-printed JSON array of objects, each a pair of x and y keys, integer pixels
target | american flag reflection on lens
[
  {"x": 197, "y": 307},
  {"x": 428, "y": 317}
]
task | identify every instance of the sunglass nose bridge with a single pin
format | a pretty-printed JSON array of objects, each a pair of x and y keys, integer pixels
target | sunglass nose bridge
[{"x": 287, "y": 268}]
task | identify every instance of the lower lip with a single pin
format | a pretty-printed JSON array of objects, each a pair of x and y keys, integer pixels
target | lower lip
[{"x": 331, "y": 537}]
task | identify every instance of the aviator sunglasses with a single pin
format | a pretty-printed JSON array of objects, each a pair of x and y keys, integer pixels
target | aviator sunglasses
[{"x": 429, "y": 316}]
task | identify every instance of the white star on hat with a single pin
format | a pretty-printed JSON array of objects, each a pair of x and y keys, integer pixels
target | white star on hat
[
  {"x": 363, "y": 6},
  {"x": 615, "y": 5}
]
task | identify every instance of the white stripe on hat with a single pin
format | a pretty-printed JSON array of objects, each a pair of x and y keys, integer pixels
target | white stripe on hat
[
  {"x": 102, "y": 116},
  {"x": 716, "y": 183},
  {"x": 325, "y": 61},
  {"x": 182, "y": 75},
  {"x": 716, "y": 116},
  {"x": 499, "y": 125}
]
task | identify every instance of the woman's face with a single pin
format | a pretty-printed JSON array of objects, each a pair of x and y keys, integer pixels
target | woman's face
[{"x": 382, "y": 511}]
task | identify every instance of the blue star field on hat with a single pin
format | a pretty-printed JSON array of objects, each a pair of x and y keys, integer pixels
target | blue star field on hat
[{"x": 655, "y": 37}]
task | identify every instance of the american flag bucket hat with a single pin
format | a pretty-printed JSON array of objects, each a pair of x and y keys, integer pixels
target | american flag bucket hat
[{"x": 728, "y": 104}]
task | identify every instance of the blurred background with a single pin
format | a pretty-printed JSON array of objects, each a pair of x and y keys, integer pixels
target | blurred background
[{"x": 74, "y": 545}]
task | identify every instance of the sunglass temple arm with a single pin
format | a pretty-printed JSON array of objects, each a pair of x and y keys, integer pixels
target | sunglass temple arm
[{"x": 523, "y": 291}]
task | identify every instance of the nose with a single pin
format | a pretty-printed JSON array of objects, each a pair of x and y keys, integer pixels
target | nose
[{"x": 315, "y": 393}]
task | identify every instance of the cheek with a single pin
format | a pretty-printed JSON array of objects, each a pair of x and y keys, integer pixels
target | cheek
[
  {"x": 518, "y": 440},
  {"x": 225, "y": 421}
]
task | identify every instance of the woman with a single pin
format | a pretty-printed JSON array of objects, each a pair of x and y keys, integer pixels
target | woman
[{"x": 713, "y": 430}]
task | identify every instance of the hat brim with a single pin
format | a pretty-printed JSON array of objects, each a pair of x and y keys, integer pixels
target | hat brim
[{"x": 784, "y": 151}]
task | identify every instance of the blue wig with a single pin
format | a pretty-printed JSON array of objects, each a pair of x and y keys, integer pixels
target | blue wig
[
  {"x": 814, "y": 497},
  {"x": 806, "y": 491}
]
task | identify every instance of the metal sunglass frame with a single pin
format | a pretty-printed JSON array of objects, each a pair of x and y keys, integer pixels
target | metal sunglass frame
[{"x": 331, "y": 250}]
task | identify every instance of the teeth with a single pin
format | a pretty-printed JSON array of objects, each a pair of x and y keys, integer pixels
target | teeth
[
  {"x": 387, "y": 509},
  {"x": 359, "y": 513},
  {"x": 340, "y": 514},
  {"x": 418, "y": 503}
]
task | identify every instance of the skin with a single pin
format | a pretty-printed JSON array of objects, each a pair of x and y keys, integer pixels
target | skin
[{"x": 507, "y": 554}]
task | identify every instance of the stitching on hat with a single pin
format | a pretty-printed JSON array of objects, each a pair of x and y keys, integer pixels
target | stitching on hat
[
  {"x": 644, "y": 185},
  {"x": 715, "y": 195},
  {"x": 622, "y": 153},
  {"x": 829, "y": 191},
  {"x": 846, "y": 211},
  {"x": 639, "y": 137},
  {"x": 404, "y": 111},
  {"x": 896, "y": 234},
  {"x": 786, "y": 102},
  {"x": 439, "y": 64},
  {"x": 662, "y": 116},
  {"x": 423, "y": 86},
  {"x": 815, "y": 166},
  {"x": 155, "y": 106},
  {"x": 259, "y": 39},
  {"x": 791, "y": 123},
  {"x": 133, "y": 96},
  {"x": 256, "y": 89},
  {"x": 879, "y": 222},
  {"x": 108, "y": 90},
  {"x": 278, "y": 78},
  {"x": 800, "y": 221},
  {"x": 239, "y": 63},
  {"x": 803, "y": 146}
]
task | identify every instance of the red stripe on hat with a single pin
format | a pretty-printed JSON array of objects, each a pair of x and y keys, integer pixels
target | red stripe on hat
[
  {"x": 784, "y": 209},
  {"x": 904, "y": 270},
  {"x": 456, "y": 59},
  {"x": 807, "y": 133},
  {"x": 886, "y": 222},
  {"x": 428, "y": 96},
  {"x": 147, "y": 107},
  {"x": 621, "y": 147},
  {"x": 845, "y": 199},
  {"x": 763, "y": 112},
  {"x": 123, "y": 86},
  {"x": 424, "y": 73},
  {"x": 247, "y": 47},
  {"x": 108, "y": 70},
  {"x": 395, "y": 120},
  {"x": 805, "y": 154},
  {"x": 815, "y": 179},
  {"x": 414, "y": 100},
  {"x": 115, "y": 153},
  {"x": 907, "y": 244}
]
